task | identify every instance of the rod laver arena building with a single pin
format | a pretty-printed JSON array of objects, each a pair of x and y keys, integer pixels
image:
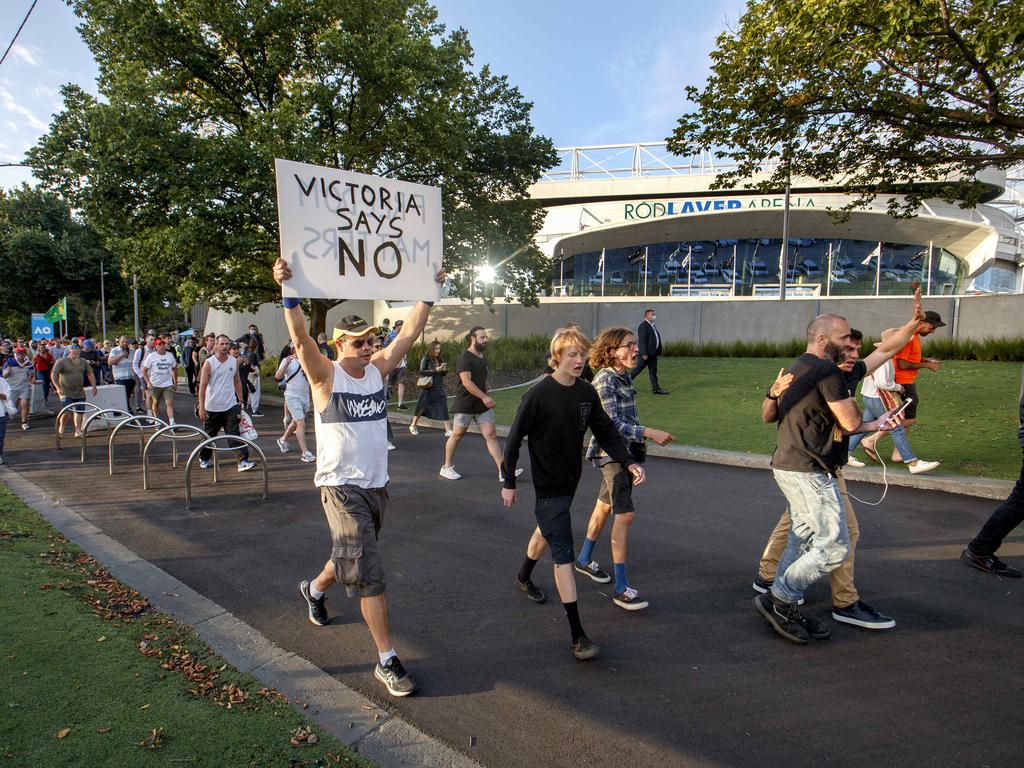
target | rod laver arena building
[{"x": 632, "y": 220}]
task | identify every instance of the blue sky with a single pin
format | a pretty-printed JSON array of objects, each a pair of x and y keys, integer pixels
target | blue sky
[{"x": 597, "y": 72}]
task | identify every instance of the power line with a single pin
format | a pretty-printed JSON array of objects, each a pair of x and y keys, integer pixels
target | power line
[{"x": 31, "y": 8}]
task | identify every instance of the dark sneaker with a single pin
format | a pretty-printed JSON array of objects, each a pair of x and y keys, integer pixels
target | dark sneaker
[
  {"x": 862, "y": 615},
  {"x": 402, "y": 407},
  {"x": 584, "y": 650},
  {"x": 593, "y": 571},
  {"x": 531, "y": 590},
  {"x": 781, "y": 617},
  {"x": 395, "y": 678},
  {"x": 317, "y": 609},
  {"x": 763, "y": 585},
  {"x": 630, "y": 600},
  {"x": 988, "y": 564},
  {"x": 819, "y": 630}
]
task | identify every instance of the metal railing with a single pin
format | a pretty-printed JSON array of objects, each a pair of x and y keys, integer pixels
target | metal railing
[
  {"x": 172, "y": 431},
  {"x": 236, "y": 443},
  {"x": 71, "y": 408},
  {"x": 140, "y": 423},
  {"x": 102, "y": 414}
]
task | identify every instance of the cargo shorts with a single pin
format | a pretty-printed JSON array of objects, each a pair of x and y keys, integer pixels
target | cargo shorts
[{"x": 355, "y": 515}]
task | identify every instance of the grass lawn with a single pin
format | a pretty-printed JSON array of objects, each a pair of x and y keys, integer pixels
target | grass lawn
[
  {"x": 968, "y": 417},
  {"x": 91, "y": 675}
]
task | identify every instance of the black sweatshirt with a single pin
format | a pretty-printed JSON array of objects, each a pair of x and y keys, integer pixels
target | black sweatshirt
[{"x": 555, "y": 417}]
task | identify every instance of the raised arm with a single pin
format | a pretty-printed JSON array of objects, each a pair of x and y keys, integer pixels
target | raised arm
[
  {"x": 898, "y": 340},
  {"x": 388, "y": 358},
  {"x": 318, "y": 368}
]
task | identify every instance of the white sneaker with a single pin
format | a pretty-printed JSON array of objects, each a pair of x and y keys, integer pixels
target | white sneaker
[
  {"x": 308, "y": 457},
  {"x": 245, "y": 464},
  {"x": 448, "y": 433},
  {"x": 1, "y": 460},
  {"x": 855, "y": 462},
  {"x": 283, "y": 445},
  {"x": 449, "y": 473},
  {"x": 922, "y": 466},
  {"x": 391, "y": 446},
  {"x": 205, "y": 464},
  {"x": 501, "y": 477},
  {"x": 24, "y": 427},
  {"x": 413, "y": 430}
]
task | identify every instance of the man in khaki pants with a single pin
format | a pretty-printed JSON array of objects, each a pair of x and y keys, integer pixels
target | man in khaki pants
[{"x": 847, "y": 607}]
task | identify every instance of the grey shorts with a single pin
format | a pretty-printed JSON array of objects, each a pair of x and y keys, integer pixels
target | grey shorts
[
  {"x": 616, "y": 488},
  {"x": 355, "y": 515},
  {"x": 297, "y": 407},
  {"x": 465, "y": 419}
]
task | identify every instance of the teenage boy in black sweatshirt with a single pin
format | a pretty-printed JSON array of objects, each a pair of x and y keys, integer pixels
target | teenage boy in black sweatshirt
[{"x": 555, "y": 413}]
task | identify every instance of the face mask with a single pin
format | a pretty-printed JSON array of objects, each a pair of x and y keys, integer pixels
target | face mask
[{"x": 653, "y": 318}]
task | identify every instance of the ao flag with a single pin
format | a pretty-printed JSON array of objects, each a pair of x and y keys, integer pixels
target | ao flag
[{"x": 353, "y": 236}]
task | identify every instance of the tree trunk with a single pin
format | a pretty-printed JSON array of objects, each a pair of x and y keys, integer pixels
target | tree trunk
[{"x": 318, "y": 309}]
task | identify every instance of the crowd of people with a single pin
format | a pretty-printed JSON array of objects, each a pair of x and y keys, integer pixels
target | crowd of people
[{"x": 345, "y": 383}]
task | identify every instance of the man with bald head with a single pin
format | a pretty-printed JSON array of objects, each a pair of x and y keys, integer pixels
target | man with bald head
[{"x": 813, "y": 415}]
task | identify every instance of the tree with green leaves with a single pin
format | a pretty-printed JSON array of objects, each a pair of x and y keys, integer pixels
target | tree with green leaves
[
  {"x": 174, "y": 164},
  {"x": 909, "y": 97}
]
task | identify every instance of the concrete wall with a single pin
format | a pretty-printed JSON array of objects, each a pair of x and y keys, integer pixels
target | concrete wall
[{"x": 697, "y": 320}]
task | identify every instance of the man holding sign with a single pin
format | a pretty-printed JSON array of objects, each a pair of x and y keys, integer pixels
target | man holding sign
[{"x": 350, "y": 407}]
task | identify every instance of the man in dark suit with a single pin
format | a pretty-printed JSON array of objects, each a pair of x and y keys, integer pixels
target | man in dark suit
[{"x": 649, "y": 347}]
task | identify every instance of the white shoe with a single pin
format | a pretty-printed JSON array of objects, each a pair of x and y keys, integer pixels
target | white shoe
[
  {"x": 855, "y": 462},
  {"x": 501, "y": 477},
  {"x": 448, "y": 433},
  {"x": 245, "y": 464},
  {"x": 413, "y": 430},
  {"x": 920, "y": 466},
  {"x": 1, "y": 460},
  {"x": 24, "y": 427},
  {"x": 173, "y": 423},
  {"x": 449, "y": 473},
  {"x": 308, "y": 457},
  {"x": 204, "y": 464},
  {"x": 283, "y": 445},
  {"x": 391, "y": 446}
]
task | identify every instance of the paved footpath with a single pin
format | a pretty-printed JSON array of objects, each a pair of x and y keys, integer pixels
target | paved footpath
[{"x": 698, "y": 679}]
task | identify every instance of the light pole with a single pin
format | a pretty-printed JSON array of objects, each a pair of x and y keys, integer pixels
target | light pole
[
  {"x": 135, "y": 291},
  {"x": 103, "y": 299}
]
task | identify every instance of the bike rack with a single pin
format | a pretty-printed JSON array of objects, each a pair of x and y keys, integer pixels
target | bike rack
[
  {"x": 141, "y": 423},
  {"x": 71, "y": 408},
  {"x": 171, "y": 431},
  {"x": 236, "y": 442},
  {"x": 105, "y": 415}
]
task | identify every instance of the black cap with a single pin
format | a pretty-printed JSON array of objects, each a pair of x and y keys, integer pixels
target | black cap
[{"x": 933, "y": 319}]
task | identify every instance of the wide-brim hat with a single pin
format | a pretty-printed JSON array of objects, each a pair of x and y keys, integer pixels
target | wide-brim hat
[{"x": 351, "y": 327}]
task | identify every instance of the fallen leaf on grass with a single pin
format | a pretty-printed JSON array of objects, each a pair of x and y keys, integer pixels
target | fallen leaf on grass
[
  {"x": 101, "y": 638},
  {"x": 63, "y": 732},
  {"x": 103, "y": 730},
  {"x": 302, "y": 735},
  {"x": 154, "y": 740},
  {"x": 144, "y": 706}
]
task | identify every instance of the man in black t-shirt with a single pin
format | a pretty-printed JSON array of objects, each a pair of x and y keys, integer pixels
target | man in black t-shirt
[
  {"x": 472, "y": 403},
  {"x": 555, "y": 413},
  {"x": 814, "y": 413}
]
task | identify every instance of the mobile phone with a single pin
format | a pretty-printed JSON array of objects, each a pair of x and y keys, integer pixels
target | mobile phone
[{"x": 899, "y": 410}]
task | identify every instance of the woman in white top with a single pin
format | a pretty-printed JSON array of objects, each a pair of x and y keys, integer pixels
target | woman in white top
[{"x": 296, "y": 397}]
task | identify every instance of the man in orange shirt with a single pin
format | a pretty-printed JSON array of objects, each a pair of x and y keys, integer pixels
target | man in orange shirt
[{"x": 908, "y": 362}]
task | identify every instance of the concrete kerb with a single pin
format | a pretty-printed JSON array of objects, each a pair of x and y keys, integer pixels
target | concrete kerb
[{"x": 349, "y": 716}]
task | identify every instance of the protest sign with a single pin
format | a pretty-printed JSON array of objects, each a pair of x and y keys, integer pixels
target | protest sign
[
  {"x": 42, "y": 329},
  {"x": 349, "y": 235}
]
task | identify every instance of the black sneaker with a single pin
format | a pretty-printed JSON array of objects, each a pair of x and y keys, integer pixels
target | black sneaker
[
  {"x": 862, "y": 615},
  {"x": 763, "y": 585},
  {"x": 531, "y": 590},
  {"x": 584, "y": 650},
  {"x": 630, "y": 600},
  {"x": 988, "y": 564},
  {"x": 819, "y": 630},
  {"x": 395, "y": 678},
  {"x": 781, "y": 617},
  {"x": 317, "y": 609},
  {"x": 593, "y": 571},
  {"x": 402, "y": 407}
]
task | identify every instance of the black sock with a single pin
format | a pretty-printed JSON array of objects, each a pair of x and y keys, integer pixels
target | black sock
[
  {"x": 526, "y": 569},
  {"x": 572, "y": 612}
]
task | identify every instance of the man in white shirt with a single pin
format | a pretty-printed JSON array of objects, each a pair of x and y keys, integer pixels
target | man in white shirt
[
  {"x": 140, "y": 355},
  {"x": 160, "y": 371},
  {"x": 350, "y": 407},
  {"x": 220, "y": 400},
  {"x": 120, "y": 364}
]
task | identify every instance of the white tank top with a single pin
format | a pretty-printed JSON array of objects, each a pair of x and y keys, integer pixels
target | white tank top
[
  {"x": 352, "y": 433},
  {"x": 220, "y": 388}
]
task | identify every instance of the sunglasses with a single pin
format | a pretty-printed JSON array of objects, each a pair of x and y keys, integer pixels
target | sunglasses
[{"x": 359, "y": 343}]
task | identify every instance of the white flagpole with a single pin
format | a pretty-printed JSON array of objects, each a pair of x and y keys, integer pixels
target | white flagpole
[
  {"x": 878, "y": 269},
  {"x": 689, "y": 268},
  {"x": 603, "y": 267},
  {"x": 928, "y": 291},
  {"x": 645, "y": 270},
  {"x": 734, "y": 271},
  {"x": 828, "y": 288}
]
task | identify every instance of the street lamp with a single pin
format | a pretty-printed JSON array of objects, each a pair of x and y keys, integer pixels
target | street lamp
[{"x": 103, "y": 299}]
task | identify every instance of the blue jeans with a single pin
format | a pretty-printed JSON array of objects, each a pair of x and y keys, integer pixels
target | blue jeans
[
  {"x": 818, "y": 538},
  {"x": 874, "y": 408}
]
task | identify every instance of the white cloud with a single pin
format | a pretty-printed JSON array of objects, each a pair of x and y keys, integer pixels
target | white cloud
[
  {"x": 28, "y": 54},
  {"x": 8, "y": 104}
]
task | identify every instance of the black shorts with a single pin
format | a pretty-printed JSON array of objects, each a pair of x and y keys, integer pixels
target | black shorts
[
  {"x": 556, "y": 527},
  {"x": 910, "y": 390},
  {"x": 616, "y": 488}
]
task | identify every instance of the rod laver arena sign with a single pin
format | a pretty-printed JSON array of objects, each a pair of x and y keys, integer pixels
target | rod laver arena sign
[{"x": 353, "y": 236}]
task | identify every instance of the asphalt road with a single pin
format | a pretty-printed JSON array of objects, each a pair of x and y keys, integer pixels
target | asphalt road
[{"x": 697, "y": 679}]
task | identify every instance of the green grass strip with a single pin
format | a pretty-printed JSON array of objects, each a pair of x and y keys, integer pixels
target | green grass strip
[{"x": 91, "y": 675}]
